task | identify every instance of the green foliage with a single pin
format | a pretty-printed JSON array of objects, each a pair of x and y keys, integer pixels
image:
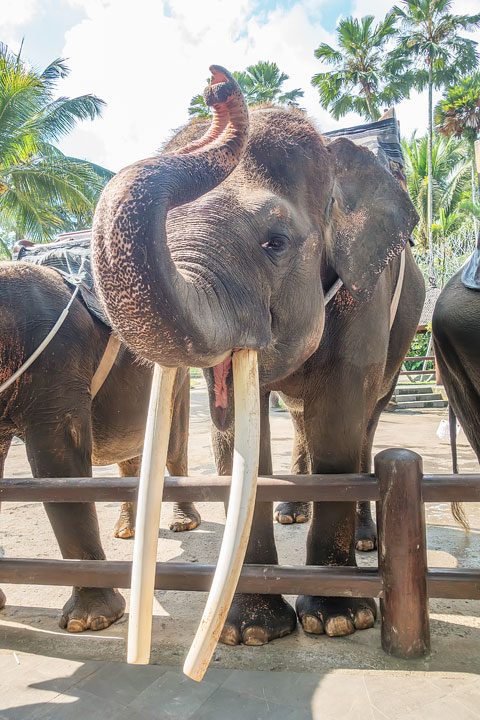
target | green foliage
[
  {"x": 42, "y": 191},
  {"x": 361, "y": 77},
  {"x": 199, "y": 108},
  {"x": 419, "y": 348},
  {"x": 429, "y": 43},
  {"x": 260, "y": 83},
  {"x": 453, "y": 235},
  {"x": 263, "y": 83},
  {"x": 458, "y": 113},
  {"x": 450, "y": 183}
]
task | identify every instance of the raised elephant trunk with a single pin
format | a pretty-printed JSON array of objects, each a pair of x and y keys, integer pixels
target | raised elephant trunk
[
  {"x": 154, "y": 308},
  {"x": 167, "y": 319}
]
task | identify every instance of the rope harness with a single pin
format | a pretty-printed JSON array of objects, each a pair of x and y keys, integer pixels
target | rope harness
[
  {"x": 330, "y": 294},
  {"x": 106, "y": 363}
]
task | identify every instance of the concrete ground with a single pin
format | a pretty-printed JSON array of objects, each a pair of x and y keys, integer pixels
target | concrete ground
[{"x": 48, "y": 673}]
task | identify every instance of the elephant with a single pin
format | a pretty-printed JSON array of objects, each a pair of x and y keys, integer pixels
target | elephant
[
  {"x": 65, "y": 432},
  {"x": 227, "y": 241},
  {"x": 456, "y": 339}
]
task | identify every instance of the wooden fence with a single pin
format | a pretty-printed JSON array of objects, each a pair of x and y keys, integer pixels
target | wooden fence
[
  {"x": 419, "y": 358},
  {"x": 402, "y": 581}
]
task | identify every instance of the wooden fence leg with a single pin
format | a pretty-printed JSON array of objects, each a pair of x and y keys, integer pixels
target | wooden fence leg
[{"x": 402, "y": 554}]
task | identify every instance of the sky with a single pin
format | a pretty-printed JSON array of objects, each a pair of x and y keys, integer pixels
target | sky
[{"x": 147, "y": 58}]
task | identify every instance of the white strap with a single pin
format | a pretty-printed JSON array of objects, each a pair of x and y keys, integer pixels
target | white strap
[
  {"x": 106, "y": 363},
  {"x": 18, "y": 373},
  {"x": 42, "y": 345},
  {"x": 333, "y": 290},
  {"x": 330, "y": 294},
  {"x": 398, "y": 290}
]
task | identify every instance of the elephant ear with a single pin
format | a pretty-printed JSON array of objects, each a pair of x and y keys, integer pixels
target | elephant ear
[{"x": 372, "y": 219}]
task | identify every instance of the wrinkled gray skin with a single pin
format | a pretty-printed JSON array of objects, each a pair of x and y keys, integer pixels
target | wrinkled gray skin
[
  {"x": 64, "y": 431},
  {"x": 456, "y": 337},
  {"x": 257, "y": 224}
]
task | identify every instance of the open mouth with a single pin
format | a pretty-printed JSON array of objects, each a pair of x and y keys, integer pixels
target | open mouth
[
  {"x": 220, "y": 386},
  {"x": 221, "y": 374}
]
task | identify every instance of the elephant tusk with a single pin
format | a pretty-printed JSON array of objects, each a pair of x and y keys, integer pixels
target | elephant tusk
[
  {"x": 149, "y": 505},
  {"x": 241, "y": 505}
]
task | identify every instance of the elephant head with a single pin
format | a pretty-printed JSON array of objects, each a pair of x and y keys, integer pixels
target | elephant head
[{"x": 222, "y": 241}]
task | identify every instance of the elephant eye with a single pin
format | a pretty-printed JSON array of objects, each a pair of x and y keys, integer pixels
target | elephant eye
[{"x": 275, "y": 242}]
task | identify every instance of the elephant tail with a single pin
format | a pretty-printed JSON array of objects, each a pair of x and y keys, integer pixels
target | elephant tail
[{"x": 457, "y": 507}]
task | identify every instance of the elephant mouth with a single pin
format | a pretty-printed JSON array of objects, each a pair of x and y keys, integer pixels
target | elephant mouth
[{"x": 220, "y": 389}]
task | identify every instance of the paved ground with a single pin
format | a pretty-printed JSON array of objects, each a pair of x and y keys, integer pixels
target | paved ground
[{"x": 47, "y": 673}]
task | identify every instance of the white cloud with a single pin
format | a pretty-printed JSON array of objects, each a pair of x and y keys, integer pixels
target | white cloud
[
  {"x": 13, "y": 15},
  {"x": 17, "y": 13},
  {"x": 147, "y": 64},
  {"x": 147, "y": 58}
]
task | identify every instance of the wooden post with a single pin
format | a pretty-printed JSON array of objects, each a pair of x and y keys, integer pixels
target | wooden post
[{"x": 402, "y": 555}]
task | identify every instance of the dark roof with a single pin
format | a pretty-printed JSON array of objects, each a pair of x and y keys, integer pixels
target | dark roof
[{"x": 430, "y": 299}]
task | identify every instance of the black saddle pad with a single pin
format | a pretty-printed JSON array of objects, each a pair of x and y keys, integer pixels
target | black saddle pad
[
  {"x": 471, "y": 271},
  {"x": 71, "y": 256}
]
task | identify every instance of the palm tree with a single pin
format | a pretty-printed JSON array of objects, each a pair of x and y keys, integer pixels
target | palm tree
[
  {"x": 431, "y": 47},
  {"x": 458, "y": 115},
  {"x": 42, "y": 191},
  {"x": 260, "y": 83},
  {"x": 359, "y": 78},
  {"x": 199, "y": 108},
  {"x": 451, "y": 191}
]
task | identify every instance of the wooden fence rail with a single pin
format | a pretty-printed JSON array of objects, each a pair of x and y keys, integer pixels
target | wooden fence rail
[{"x": 402, "y": 581}]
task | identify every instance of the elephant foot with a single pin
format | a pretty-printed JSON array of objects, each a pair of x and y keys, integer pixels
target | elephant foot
[
  {"x": 92, "y": 609},
  {"x": 125, "y": 525},
  {"x": 365, "y": 531},
  {"x": 185, "y": 517},
  {"x": 3, "y": 599},
  {"x": 335, "y": 616},
  {"x": 257, "y": 619},
  {"x": 288, "y": 513}
]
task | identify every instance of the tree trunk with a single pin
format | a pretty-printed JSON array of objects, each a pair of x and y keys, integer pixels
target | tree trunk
[
  {"x": 474, "y": 188},
  {"x": 431, "y": 265}
]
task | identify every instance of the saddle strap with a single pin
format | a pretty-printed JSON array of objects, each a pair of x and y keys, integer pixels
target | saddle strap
[
  {"x": 398, "y": 290},
  {"x": 106, "y": 363}
]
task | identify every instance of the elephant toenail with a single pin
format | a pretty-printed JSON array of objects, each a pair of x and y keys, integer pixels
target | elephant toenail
[
  {"x": 255, "y": 636},
  {"x": 285, "y": 519},
  {"x": 339, "y": 626},
  {"x": 75, "y": 626},
  {"x": 365, "y": 545},
  {"x": 312, "y": 624},
  {"x": 364, "y": 619},
  {"x": 99, "y": 623},
  {"x": 230, "y": 635}
]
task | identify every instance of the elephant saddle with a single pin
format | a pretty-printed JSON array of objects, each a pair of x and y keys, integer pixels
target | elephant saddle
[
  {"x": 71, "y": 256},
  {"x": 471, "y": 271}
]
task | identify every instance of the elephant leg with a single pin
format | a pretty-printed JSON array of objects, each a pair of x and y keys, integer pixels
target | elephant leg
[
  {"x": 366, "y": 527},
  {"x": 125, "y": 525},
  {"x": 62, "y": 448},
  {"x": 185, "y": 515},
  {"x": 287, "y": 513},
  {"x": 5, "y": 441},
  {"x": 336, "y": 441},
  {"x": 255, "y": 619}
]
